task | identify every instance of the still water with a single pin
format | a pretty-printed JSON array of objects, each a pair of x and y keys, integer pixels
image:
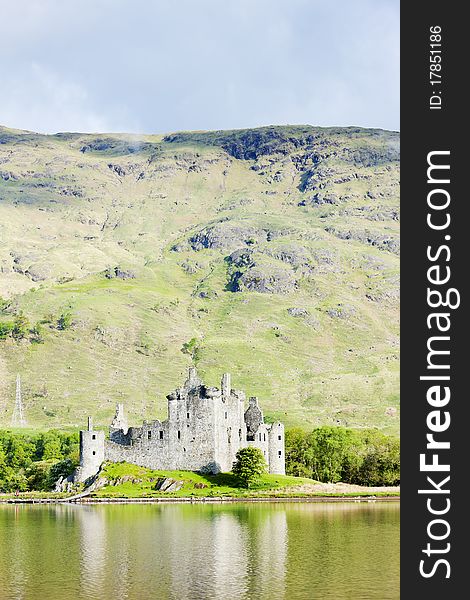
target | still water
[{"x": 200, "y": 552}]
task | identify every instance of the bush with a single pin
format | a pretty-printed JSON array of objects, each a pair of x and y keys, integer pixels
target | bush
[
  {"x": 249, "y": 465},
  {"x": 20, "y": 327},
  {"x": 192, "y": 348},
  {"x": 5, "y": 330},
  {"x": 65, "y": 321},
  {"x": 4, "y": 304},
  {"x": 37, "y": 334}
]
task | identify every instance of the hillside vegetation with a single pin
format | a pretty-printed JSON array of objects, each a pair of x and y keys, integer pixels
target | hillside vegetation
[{"x": 271, "y": 253}]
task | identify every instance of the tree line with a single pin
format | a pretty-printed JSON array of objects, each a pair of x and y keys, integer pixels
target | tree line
[
  {"x": 332, "y": 454},
  {"x": 35, "y": 461}
]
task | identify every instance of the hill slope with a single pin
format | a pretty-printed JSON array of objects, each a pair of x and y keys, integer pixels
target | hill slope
[{"x": 271, "y": 253}]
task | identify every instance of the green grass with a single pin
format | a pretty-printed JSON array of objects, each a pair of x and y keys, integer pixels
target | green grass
[{"x": 223, "y": 484}]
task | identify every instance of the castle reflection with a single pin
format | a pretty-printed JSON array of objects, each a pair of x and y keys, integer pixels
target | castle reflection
[
  {"x": 279, "y": 551},
  {"x": 182, "y": 551}
]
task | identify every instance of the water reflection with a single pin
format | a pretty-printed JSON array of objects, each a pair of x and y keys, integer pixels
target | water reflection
[
  {"x": 92, "y": 526},
  {"x": 199, "y": 552},
  {"x": 184, "y": 552}
]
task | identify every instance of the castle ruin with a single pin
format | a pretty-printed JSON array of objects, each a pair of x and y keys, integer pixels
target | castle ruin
[{"x": 206, "y": 426}]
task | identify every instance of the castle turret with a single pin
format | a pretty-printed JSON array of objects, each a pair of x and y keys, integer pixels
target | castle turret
[
  {"x": 253, "y": 418},
  {"x": 91, "y": 452},
  {"x": 193, "y": 381},
  {"x": 277, "y": 459}
]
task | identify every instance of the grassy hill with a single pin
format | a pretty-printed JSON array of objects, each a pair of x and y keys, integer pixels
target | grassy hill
[{"x": 271, "y": 253}]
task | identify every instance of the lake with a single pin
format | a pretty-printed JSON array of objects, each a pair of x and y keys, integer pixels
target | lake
[{"x": 275, "y": 551}]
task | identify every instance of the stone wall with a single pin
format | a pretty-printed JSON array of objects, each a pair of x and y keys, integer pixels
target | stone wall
[{"x": 205, "y": 428}]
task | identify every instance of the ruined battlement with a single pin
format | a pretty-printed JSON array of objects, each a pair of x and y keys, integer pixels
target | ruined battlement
[{"x": 205, "y": 428}]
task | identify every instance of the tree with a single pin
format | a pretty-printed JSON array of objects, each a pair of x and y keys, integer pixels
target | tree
[
  {"x": 63, "y": 468},
  {"x": 192, "y": 348},
  {"x": 52, "y": 450},
  {"x": 5, "y": 330},
  {"x": 330, "y": 446},
  {"x": 20, "y": 327},
  {"x": 38, "y": 475},
  {"x": 20, "y": 452},
  {"x": 381, "y": 461},
  {"x": 331, "y": 454},
  {"x": 299, "y": 455},
  {"x": 249, "y": 466},
  {"x": 64, "y": 321},
  {"x": 3, "y": 462}
]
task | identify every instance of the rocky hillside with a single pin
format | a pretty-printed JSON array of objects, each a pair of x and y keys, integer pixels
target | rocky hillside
[{"x": 271, "y": 253}]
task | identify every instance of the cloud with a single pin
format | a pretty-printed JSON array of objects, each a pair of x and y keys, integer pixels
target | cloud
[
  {"x": 47, "y": 101},
  {"x": 134, "y": 65}
]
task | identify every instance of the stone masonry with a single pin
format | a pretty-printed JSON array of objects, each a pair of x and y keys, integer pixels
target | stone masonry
[{"x": 206, "y": 426}]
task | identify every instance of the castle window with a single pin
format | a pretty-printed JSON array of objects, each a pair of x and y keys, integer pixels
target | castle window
[
  {"x": 264, "y": 437},
  {"x": 93, "y": 437},
  {"x": 225, "y": 415},
  {"x": 280, "y": 453},
  {"x": 279, "y": 437},
  {"x": 260, "y": 437},
  {"x": 149, "y": 434},
  {"x": 179, "y": 435},
  {"x": 240, "y": 435},
  {"x": 161, "y": 435},
  {"x": 187, "y": 415},
  {"x": 94, "y": 453}
]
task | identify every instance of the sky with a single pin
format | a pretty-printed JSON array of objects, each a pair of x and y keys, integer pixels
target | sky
[{"x": 157, "y": 66}]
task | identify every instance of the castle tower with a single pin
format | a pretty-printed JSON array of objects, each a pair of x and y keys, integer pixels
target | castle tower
[
  {"x": 91, "y": 452},
  {"x": 277, "y": 459}
]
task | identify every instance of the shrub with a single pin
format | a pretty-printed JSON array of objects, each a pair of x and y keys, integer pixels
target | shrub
[
  {"x": 192, "y": 348},
  {"x": 5, "y": 330},
  {"x": 65, "y": 321},
  {"x": 249, "y": 465},
  {"x": 20, "y": 327},
  {"x": 37, "y": 334}
]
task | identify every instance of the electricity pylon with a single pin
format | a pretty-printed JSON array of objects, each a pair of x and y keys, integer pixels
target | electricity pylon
[{"x": 18, "y": 418}]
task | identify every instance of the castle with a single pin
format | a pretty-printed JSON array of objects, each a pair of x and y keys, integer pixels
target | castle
[{"x": 206, "y": 426}]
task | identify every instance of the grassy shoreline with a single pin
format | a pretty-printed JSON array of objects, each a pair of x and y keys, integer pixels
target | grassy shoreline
[
  {"x": 124, "y": 482},
  {"x": 362, "y": 497}
]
